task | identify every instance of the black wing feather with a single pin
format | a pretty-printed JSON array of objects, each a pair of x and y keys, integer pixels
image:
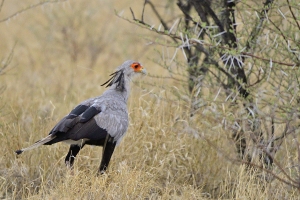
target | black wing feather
[
  {"x": 64, "y": 125},
  {"x": 88, "y": 114},
  {"x": 82, "y": 126},
  {"x": 71, "y": 120},
  {"x": 77, "y": 111},
  {"x": 88, "y": 130}
]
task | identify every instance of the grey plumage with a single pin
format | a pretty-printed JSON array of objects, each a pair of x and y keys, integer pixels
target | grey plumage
[{"x": 100, "y": 121}]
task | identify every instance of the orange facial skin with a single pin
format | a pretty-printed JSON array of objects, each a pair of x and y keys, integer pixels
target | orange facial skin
[{"x": 137, "y": 67}]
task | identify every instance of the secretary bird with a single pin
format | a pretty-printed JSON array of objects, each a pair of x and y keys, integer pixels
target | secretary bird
[{"x": 100, "y": 121}]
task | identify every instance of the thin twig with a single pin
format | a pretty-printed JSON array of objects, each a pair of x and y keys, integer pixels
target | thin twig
[
  {"x": 167, "y": 77},
  {"x": 28, "y": 8},
  {"x": 268, "y": 60},
  {"x": 8, "y": 60},
  {"x": 261, "y": 167},
  {"x": 280, "y": 167},
  {"x": 295, "y": 18},
  {"x": 157, "y": 15},
  {"x": 188, "y": 17},
  {"x": 1, "y": 5},
  {"x": 284, "y": 37},
  {"x": 194, "y": 43},
  {"x": 133, "y": 15},
  {"x": 142, "y": 18},
  {"x": 258, "y": 26}
]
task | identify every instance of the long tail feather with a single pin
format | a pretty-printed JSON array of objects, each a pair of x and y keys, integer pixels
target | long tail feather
[{"x": 37, "y": 144}]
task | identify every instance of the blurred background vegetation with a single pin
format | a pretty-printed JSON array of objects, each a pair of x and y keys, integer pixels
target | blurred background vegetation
[{"x": 217, "y": 117}]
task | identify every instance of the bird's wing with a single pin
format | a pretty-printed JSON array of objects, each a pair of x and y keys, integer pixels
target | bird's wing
[
  {"x": 114, "y": 119},
  {"x": 68, "y": 122},
  {"x": 93, "y": 121},
  {"x": 82, "y": 113},
  {"x": 79, "y": 124},
  {"x": 79, "y": 121}
]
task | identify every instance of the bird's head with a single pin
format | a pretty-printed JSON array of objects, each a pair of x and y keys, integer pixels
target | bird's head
[
  {"x": 130, "y": 68},
  {"x": 125, "y": 72}
]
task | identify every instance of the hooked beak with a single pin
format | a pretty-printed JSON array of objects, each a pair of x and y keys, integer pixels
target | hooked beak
[{"x": 143, "y": 71}]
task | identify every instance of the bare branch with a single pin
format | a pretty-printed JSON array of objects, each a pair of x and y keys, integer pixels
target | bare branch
[
  {"x": 28, "y": 8},
  {"x": 294, "y": 17},
  {"x": 193, "y": 42},
  {"x": 289, "y": 182},
  {"x": 285, "y": 38},
  {"x": 134, "y": 16},
  {"x": 1, "y": 5},
  {"x": 258, "y": 27},
  {"x": 157, "y": 14},
  {"x": 268, "y": 60},
  {"x": 142, "y": 18},
  {"x": 184, "y": 10},
  {"x": 7, "y": 61}
]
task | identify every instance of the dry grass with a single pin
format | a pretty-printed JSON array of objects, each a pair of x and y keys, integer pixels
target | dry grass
[{"x": 164, "y": 154}]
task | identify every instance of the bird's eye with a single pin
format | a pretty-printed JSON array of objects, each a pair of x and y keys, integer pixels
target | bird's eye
[{"x": 136, "y": 67}]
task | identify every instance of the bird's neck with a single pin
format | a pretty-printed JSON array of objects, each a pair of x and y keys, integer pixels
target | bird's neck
[{"x": 124, "y": 91}]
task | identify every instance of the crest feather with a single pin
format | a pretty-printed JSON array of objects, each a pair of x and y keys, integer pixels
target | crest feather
[{"x": 117, "y": 78}]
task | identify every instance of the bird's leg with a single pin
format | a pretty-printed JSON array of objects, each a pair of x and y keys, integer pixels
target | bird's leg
[
  {"x": 108, "y": 149},
  {"x": 73, "y": 151}
]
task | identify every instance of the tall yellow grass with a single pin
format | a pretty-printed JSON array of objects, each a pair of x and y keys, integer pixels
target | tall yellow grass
[{"x": 164, "y": 154}]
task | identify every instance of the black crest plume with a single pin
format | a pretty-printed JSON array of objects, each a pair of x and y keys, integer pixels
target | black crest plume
[{"x": 118, "y": 78}]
